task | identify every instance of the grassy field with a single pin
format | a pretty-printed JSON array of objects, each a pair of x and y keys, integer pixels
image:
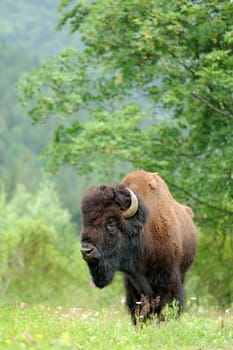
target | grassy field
[{"x": 41, "y": 327}]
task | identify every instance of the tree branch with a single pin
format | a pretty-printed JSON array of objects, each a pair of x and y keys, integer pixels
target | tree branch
[
  {"x": 207, "y": 103},
  {"x": 222, "y": 210},
  {"x": 229, "y": 113}
]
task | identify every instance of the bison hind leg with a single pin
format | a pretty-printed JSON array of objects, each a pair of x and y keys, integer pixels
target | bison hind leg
[{"x": 173, "y": 306}]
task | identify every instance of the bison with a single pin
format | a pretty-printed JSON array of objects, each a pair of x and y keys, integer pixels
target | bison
[{"x": 138, "y": 228}]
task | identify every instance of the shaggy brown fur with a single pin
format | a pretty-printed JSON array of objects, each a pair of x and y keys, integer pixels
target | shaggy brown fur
[
  {"x": 170, "y": 232},
  {"x": 153, "y": 249}
]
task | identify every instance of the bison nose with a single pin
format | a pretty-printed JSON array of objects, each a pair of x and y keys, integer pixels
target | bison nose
[{"x": 89, "y": 253}]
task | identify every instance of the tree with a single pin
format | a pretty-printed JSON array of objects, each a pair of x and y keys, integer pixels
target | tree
[{"x": 174, "y": 55}]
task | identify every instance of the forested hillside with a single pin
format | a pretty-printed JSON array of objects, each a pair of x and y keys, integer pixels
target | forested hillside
[
  {"x": 27, "y": 37},
  {"x": 30, "y": 25}
]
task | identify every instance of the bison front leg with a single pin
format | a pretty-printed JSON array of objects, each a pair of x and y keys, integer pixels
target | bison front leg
[
  {"x": 132, "y": 300},
  {"x": 140, "y": 306}
]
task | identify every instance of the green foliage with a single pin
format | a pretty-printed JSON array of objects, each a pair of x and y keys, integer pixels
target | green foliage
[
  {"x": 44, "y": 204},
  {"x": 215, "y": 259},
  {"x": 174, "y": 55},
  {"x": 30, "y": 255},
  {"x": 38, "y": 250}
]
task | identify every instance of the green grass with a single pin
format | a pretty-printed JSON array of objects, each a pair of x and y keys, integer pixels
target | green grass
[{"x": 42, "y": 327}]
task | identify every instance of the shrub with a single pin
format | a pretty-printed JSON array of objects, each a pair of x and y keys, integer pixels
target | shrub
[
  {"x": 43, "y": 205},
  {"x": 213, "y": 269},
  {"x": 38, "y": 246}
]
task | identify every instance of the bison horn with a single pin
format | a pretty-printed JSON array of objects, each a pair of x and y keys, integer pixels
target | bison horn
[{"x": 128, "y": 213}]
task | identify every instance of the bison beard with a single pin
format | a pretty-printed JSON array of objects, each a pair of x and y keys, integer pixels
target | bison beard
[{"x": 153, "y": 242}]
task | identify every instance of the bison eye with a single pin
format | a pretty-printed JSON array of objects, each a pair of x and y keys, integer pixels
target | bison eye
[{"x": 111, "y": 225}]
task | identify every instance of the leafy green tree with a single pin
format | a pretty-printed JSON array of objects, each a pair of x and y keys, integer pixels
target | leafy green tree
[{"x": 140, "y": 57}]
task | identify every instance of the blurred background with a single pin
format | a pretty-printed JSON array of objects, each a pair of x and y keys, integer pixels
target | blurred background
[{"x": 40, "y": 209}]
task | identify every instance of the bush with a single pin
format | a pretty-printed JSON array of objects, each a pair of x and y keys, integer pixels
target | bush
[
  {"x": 38, "y": 247},
  {"x": 32, "y": 263},
  {"x": 213, "y": 271},
  {"x": 43, "y": 205}
]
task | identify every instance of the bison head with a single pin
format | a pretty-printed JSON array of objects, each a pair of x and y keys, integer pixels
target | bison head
[{"x": 112, "y": 221}]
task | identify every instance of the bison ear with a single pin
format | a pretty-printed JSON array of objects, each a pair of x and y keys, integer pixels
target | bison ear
[
  {"x": 153, "y": 181},
  {"x": 103, "y": 188},
  {"x": 108, "y": 190},
  {"x": 189, "y": 211}
]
